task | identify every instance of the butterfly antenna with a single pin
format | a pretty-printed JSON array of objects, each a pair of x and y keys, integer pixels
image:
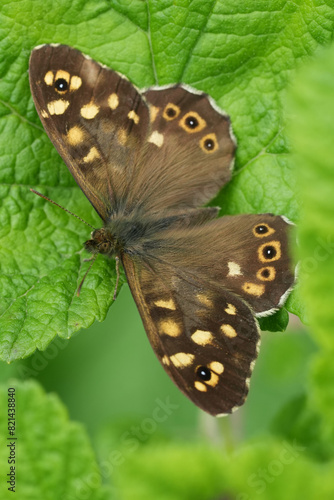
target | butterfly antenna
[
  {"x": 57, "y": 205},
  {"x": 117, "y": 277},
  {"x": 85, "y": 276}
]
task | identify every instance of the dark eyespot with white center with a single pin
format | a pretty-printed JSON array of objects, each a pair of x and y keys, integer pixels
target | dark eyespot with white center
[
  {"x": 203, "y": 373},
  {"x": 261, "y": 229},
  {"x": 61, "y": 85},
  {"x": 269, "y": 252},
  {"x": 191, "y": 122},
  {"x": 209, "y": 143}
]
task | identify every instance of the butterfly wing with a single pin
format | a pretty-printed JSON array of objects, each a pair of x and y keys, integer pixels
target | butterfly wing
[
  {"x": 190, "y": 149},
  {"x": 124, "y": 150},
  {"x": 198, "y": 288},
  {"x": 94, "y": 116},
  {"x": 205, "y": 337},
  {"x": 247, "y": 254}
]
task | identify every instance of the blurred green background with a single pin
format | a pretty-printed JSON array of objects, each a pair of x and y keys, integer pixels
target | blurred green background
[{"x": 97, "y": 418}]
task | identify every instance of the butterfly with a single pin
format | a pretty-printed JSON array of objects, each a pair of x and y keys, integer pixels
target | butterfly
[{"x": 148, "y": 161}]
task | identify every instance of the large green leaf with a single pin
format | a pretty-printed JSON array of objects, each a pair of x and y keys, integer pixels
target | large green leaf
[
  {"x": 312, "y": 130},
  {"x": 243, "y": 53},
  {"x": 53, "y": 457},
  {"x": 268, "y": 470}
]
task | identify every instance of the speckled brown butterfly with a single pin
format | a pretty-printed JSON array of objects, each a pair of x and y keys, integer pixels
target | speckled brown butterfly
[{"x": 147, "y": 161}]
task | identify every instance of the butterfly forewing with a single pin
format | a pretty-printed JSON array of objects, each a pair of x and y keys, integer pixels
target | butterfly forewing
[
  {"x": 94, "y": 116},
  {"x": 121, "y": 153}
]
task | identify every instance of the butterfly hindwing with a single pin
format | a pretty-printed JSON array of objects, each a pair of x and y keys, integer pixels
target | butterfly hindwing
[
  {"x": 247, "y": 254},
  {"x": 198, "y": 288},
  {"x": 205, "y": 337}
]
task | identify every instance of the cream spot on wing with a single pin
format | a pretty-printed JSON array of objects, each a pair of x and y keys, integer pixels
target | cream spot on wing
[
  {"x": 182, "y": 359},
  {"x": 156, "y": 138},
  {"x": 75, "y": 82},
  {"x": 204, "y": 299},
  {"x": 89, "y": 111},
  {"x": 169, "y": 327},
  {"x": 200, "y": 386},
  {"x": 122, "y": 137},
  {"x": 213, "y": 380},
  {"x": 44, "y": 113},
  {"x": 234, "y": 269},
  {"x": 252, "y": 365},
  {"x": 49, "y": 78},
  {"x": 132, "y": 115},
  {"x": 92, "y": 155},
  {"x": 202, "y": 337},
  {"x": 167, "y": 304},
  {"x": 165, "y": 360},
  {"x": 113, "y": 101},
  {"x": 153, "y": 112},
  {"x": 231, "y": 309},
  {"x": 58, "y": 107},
  {"x": 75, "y": 135},
  {"x": 63, "y": 74},
  {"x": 216, "y": 367},
  {"x": 253, "y": 289},
  {"x": 228, "y": 330}
]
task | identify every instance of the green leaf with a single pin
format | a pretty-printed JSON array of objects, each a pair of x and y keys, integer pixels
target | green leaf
[
  {"x": 268, "y": 470},
  {"x": 53, "y": 457},
  {"x": 297, "y": 421},
  {"x": 275, "y": 323},
  {"x": 312, "y": 130},
  {"x": 280, "y": 375},
  {"x": 322, "y": 394},
  {"x": 242, "y": 53}
]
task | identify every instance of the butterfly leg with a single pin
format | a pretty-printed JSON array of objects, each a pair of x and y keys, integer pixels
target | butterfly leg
[
  {"x": 85, "y": 275},
  {"x": 117, "y": 277}
]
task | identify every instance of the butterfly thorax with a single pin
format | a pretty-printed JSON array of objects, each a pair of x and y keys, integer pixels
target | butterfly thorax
[
  {"x": 102, "y": 241},
  {"x": 123, "y": 233}
]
